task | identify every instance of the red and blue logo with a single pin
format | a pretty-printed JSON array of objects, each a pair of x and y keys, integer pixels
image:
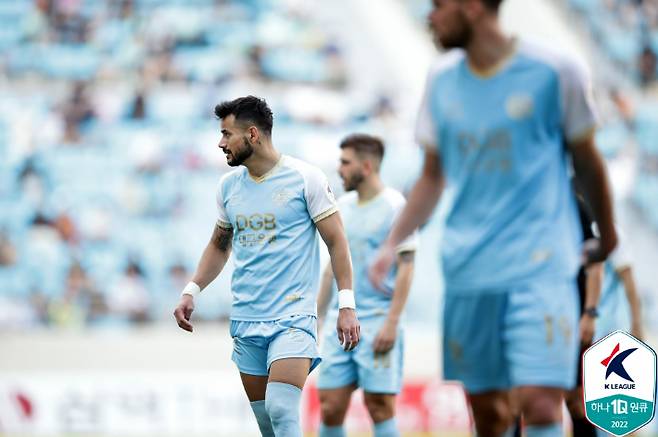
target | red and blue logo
[{"x": 614, "y": 363}]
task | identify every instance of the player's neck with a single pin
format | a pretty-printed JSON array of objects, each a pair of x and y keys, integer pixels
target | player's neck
[
  {"x": 490, "y": 49},
  {"x": 368, "y": 190},
  {"x": 262, "y": 161}
]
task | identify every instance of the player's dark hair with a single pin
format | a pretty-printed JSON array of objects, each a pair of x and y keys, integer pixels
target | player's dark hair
[
  {"x": 364, "y": 144},
  {"x": 494, "y": 5},
  {"x": 248, "y": 109}
]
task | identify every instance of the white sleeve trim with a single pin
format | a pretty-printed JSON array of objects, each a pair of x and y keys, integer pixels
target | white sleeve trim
[
  {"x": 320, "y": 200},
  {"x": 426, "y": 128},
  {"x": 324, "y": 215},
  {"x": 222, "y": 216}
]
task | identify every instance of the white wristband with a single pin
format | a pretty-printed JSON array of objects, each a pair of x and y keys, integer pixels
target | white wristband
[
  {"x": 192, "y": 289},
  {"x": 346, "y": 299}
]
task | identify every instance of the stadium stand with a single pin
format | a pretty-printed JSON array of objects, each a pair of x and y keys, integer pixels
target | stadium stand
[{"x": 106, "y": 124}]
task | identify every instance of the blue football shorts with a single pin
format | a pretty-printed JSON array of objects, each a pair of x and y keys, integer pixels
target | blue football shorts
[{"x": 256, "y": 345}]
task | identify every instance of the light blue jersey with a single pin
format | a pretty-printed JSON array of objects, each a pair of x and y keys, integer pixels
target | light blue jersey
[
  {"x": 275, "y": 243},
  {"x": 501, "y": 140},
  {"x": 367, "y": 225}
]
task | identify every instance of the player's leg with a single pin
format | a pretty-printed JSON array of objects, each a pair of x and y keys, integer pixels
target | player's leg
[
  {"x": 473, "y": 354},
  {"x": 333, "y": 408},
  {"x": 250, "y": 356},
  {"x": 492, "y": 413},
  {"x": 255, "y": 386},
  {"x": 380, "y": 376},
  {"x": 381, "y": 407},
  {"x": 291, "y": 355},
  {"x": 541, "y": 337},
  {"x": 283, "y": 395}
]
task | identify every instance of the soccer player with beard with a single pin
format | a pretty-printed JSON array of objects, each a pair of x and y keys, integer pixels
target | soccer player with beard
[
  {"x": 369, "y": 210},
  {"x": 499, "y": 120},
  {"x": 268, "y": 213}
]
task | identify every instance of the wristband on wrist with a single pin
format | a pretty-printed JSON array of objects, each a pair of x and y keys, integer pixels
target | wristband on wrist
[
  {"x": 346, "y": 299},
  {"x": 593, "y": 312},
  {"x": 192, "y": 289}
]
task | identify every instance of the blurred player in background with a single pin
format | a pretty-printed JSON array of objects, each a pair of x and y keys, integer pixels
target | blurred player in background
[
  {"x": 269, "y": 211},
  {"x": 605, "y": 308},
  {"x": 369, "y": 210},
  {"x": 589, "y": 290},
  {"x": 498, "y": 121},
  {"x": 620, "y": 305}
]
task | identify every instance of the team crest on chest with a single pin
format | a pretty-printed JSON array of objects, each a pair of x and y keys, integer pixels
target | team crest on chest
[
  {"x": 282, "y": 197},
  {"x": 519, "y": 106}
]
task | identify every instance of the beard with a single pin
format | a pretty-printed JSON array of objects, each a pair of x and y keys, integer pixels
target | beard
[
  {"x": 352, "y": 182},
  {"x": 241, "y": 155},
  {"x": 458, "y": 39}
]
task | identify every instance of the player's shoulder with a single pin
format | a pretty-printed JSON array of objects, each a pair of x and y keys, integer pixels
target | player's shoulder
[
  {"x": 563, "y": 62},
  {"x": 230, "y": 178},
  {"x": 350, "y": 198},
  {"x": 307, "y": 171},
  {"x": 446, "y": 62},
  {"x": 393, "y": 198}
]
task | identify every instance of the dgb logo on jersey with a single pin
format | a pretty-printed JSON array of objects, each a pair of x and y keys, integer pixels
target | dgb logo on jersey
[
  {"x": 255, "y": 222},
  {"x": 619, "y": 381}
]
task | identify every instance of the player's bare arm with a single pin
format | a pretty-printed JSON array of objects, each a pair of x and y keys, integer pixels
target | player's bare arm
[
  {"x": 421, "y": 202},
  {"x": 212, "y": 262},
  {"x": 626, "y": 275},
  {"x": 387, "y": 335},
  {"x": 593, "y": 284},
  {"x": 332, "y": 232},
  {"x": 592, "y": 179}
]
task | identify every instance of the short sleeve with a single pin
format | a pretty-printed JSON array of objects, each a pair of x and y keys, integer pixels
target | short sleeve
[
  {"x": 578, "y": 116},
  {"x": 320, "y": 200},
  {"x": 426, "y": 131},
  {"x": 222, "y": 217}
]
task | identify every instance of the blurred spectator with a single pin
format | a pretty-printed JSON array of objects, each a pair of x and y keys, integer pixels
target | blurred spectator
[
  {"x": 69, "y": 25},
  {"x": 7, "y": 251},
  {"x": 647, "y": 66},
  {"x": 128, "y": 297},
  {"x": 80, "y": 303},
  {"x": 177, "y": 278},
  {"x": 33, "y": 184},
  {"x": 66, "y": 228},
  {"x": 76, "y": 111},
  {"x": 138, "y": 110}
]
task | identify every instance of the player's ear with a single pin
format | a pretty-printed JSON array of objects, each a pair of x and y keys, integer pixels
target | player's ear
[
  {"x": 254, "y": 134},
  {"x": 368, "y": 165}
]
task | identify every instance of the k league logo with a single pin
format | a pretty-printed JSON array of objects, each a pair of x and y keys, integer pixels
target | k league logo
[{"x": 619, "y": 382}]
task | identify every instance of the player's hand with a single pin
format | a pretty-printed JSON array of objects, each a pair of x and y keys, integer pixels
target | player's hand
[
  {"x": 183, "y": 312},
  {"x": 594, "y": 251},
  {"x": 587, "y": 325},
  {"x": 386, "y": 337},
  {"x": 349, "y": 330},
  {"x": 381, "y": 266}
]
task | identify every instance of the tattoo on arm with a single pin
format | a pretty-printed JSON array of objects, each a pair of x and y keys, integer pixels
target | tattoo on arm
[
  {"x": 406, "y": 257},
  {"x": 222, "y": 237}
]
